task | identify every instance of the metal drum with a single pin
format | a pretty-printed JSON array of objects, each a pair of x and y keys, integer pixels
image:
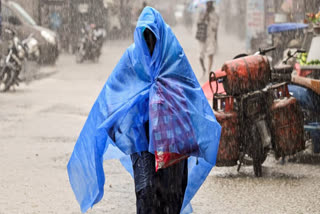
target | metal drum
[
  {"x": 228, "y": 153},
  {"x": 246, "y": 74},
  {"x": 286, "y": 122}
]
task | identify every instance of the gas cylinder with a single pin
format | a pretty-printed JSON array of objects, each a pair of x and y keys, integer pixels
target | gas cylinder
[
  {"x": 246, "y": 74},
  {"x": 228, "y": 152},
  {"x": 286, "y": 122}
]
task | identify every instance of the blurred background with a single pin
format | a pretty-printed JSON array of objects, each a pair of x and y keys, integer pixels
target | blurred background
[{"x": 243, "y": 18}]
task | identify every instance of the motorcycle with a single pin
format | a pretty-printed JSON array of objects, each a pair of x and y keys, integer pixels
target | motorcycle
[
  {"x": 13, "y": 63},
  {"x": 256, "y": 115},
  {"x": 304, "y": 80},
  {"x": 90, "y": 44}
]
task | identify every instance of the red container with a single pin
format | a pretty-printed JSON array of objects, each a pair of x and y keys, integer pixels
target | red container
[
  {"x": 246, "y": 74},
  {"x": 166, "y": 159},
  {"x": 228, "y": 153},
  {"x": 287, "y": 122}
]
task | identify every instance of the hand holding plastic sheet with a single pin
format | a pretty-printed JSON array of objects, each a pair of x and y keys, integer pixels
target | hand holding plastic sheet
[{"x": 161, "y": 88}]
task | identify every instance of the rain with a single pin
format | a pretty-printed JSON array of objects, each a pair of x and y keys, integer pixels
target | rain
[{"x": 257, "y": 63}]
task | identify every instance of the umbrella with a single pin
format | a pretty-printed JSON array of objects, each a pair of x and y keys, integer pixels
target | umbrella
[{"x": 195, "y": 3}]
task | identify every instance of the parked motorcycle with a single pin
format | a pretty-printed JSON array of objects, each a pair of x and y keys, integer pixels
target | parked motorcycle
[
  {"x": 13, "y": 63},
  {"x": 90, "y": 44},
  {"x": 256, "y": 115}
]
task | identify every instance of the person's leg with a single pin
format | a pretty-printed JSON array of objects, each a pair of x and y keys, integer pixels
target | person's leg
[
  {"x": 202, "y": 56},
  {"x": 159, "y": 192},
  {"x": 145, "y": 201},
  {"x": 144, "y": 179},
  {"x": 171, "y": 184},
  {"x": 211, "y": 49},
  {"x": 210, "y": 59},
  {"x": 144, "y": 173},
  {"x": 202, "y": 65}
]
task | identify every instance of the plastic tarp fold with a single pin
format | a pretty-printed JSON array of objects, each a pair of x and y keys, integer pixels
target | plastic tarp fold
[{"x": 161, "y": 89}]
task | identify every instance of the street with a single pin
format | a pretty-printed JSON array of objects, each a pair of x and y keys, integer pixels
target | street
[{"x": 40, "y": 123}]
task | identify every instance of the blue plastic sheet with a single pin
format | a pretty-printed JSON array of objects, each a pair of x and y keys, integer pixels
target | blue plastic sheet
[
  {"x": 142, "y": 88},
  {"x": 281, "y": 27}
]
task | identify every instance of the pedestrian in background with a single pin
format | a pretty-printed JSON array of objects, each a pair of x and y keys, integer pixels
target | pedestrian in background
[{"x": 207, "y": 34}]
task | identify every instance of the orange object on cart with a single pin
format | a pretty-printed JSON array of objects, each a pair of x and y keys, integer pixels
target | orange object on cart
[
  {"x": 229, "y": 146},
  {"x": 286, "y": 122},
  {"x": 246, "y": 74}
]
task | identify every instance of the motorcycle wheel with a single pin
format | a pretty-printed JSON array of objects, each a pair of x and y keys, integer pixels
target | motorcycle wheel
[
  {"x": 79, "y": 53},
  {"x": 258, "y": 160},
  {"x": 258, "y": 153},
  {"x": 96, "y": 59},
  {"x": 79, "y": 57},
  {"x": 249, "y": 162},
  {"x": 16, "y": 80},
  {"x": 6, "y": 79}
]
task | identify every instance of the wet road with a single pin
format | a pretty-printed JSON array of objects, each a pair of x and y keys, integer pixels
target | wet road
[{"x": 40, "y": 123}]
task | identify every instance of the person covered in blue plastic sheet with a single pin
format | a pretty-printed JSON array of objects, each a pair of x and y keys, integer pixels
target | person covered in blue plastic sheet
[{"x": 153, "y": 116}]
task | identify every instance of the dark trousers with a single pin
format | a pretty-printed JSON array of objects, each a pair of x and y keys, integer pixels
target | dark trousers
[{"x": 159, "y": 192}]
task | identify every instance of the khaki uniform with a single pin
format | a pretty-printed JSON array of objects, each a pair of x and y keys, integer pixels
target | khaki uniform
[{"x": 209, "y": 46}]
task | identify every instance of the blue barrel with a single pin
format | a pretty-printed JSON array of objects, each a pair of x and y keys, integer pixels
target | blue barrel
[{"x": 314, "y": 129}]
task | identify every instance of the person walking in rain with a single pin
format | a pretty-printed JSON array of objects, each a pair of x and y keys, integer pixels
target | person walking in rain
[
  {"x": 153, "y": 116},
  {"x": 208, "y": 42}
]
